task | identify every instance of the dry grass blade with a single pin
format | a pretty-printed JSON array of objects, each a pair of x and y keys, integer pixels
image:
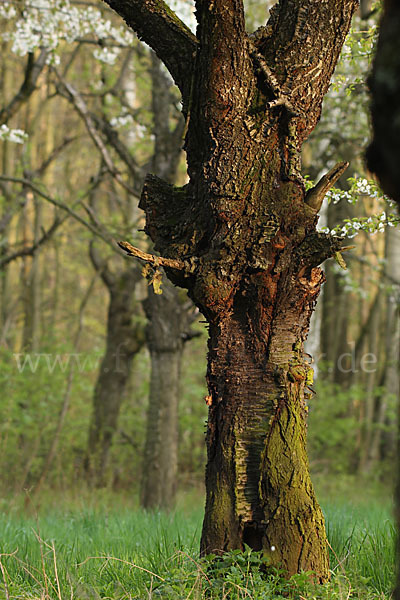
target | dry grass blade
[
  {"x": 343, "y": 570},
  {"x": 196, "y": 563},
  {"x": 56, "y": 571},
  {"x": 3, "y": 572},
  {"x": 126, "y": 562}
]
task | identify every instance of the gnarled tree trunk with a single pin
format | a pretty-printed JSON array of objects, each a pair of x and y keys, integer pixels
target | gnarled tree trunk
[{"x": 243, "y": 236}]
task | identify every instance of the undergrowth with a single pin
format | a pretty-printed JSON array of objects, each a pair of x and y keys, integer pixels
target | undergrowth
[{"x": 123, "y": 554}]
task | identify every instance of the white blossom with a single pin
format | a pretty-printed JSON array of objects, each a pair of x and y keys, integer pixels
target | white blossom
[
  {"x": 106, "y": 55},
  {"x": 18, "y": 136},
  {"x": 47, "y": 23},
  {"x": 7, "y": 11}
]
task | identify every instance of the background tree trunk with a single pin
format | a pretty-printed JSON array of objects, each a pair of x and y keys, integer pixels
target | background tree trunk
[
  {"x": 122, "y": 345},
  {"x": 125, "y": 337},
  {"x": 168, "y": 323},
  {"x": 166, "y": 331},
  {"x": 391, "y": 393}
]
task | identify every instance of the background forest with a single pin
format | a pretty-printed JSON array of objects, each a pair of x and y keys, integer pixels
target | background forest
[{"x": 101, "y": 375}]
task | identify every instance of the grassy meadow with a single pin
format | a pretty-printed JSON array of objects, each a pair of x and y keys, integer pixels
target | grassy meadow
[{"x": 86, "y": 547}]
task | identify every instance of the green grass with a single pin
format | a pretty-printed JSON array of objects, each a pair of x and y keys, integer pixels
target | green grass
[{"x": 95, "y": 552}]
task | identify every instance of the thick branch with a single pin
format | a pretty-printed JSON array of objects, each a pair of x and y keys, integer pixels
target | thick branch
[
  {"x": 225, "y": 61},
  {"x": 162, "y": 30},
  {"x": 301, "y": 45}
]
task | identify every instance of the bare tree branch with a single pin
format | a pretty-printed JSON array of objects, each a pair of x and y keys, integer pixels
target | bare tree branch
[
  {"x": 162, "y": 30},
  {"x": 80, "y": 105},
  {"x": 156, "y": 261},
  {"x": 121, "y": 149},
  {"x": 42, "y": 168},
  {"x": 32, "y": 72},
  {"x": 106, "y": 238},
  {"x": 30, "y": 251}
]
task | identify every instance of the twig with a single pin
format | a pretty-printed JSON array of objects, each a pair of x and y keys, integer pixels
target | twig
[
  {"x": 196, "y": 563},
  {"x": 4, "y": 579},
  {"x": 157, "y": 261},
  {"x": 56, "y": 571},
  {"x": 342, "y": 568}
]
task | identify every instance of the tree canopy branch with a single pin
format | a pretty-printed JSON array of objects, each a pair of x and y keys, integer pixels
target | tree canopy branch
[
  {"x": 30, "y": 250},
  {"x": 158, "y": 26}
]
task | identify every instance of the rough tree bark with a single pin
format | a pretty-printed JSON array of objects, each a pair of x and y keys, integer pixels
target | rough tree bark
[{"x": 244, "y": 231}]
